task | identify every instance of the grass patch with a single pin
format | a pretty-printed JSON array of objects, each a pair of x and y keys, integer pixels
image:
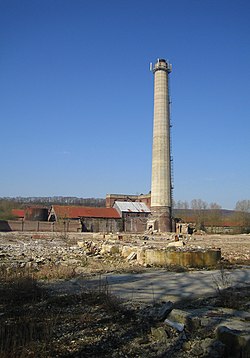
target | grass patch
[{"x": 37, "y": 323}]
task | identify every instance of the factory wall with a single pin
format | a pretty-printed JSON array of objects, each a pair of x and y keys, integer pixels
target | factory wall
[
  {"x": 101, "y": 225},
  {"x": 134, "y": 222}
]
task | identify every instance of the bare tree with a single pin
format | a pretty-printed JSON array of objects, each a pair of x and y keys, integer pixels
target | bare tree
[
  {"x": 199, "y": 206},
  {"x": 243, "y": 214},
  {"x": 214, "y": 215},
  {"x": 214, "y": 206},
  {"x": 243, "y": 205},
  {"x": 182, "y": 205}
]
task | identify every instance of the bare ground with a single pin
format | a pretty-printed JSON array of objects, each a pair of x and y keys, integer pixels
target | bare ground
[{"x": 35, "y": 322}]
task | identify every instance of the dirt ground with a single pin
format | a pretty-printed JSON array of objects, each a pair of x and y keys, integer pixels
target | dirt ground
[
  {"x": 36, "y": 322},
  {"x": 234, "y": 248}
]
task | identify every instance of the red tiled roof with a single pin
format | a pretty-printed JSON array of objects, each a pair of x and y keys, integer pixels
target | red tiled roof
[
  {"x": 18, "y": 212},
  {"x": 71, "y": 212}
]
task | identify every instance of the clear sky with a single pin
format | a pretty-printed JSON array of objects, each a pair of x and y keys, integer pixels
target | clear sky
[{"x": 76, "y": 96}]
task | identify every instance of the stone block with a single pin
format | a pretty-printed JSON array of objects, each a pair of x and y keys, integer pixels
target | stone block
[
  {"x": 236, "y": 339},
  {"x": 98, "y": 235},
  {"x": 157, "y": 257},
  {"x": 197, "y": 258},
  {"x": 176, "y": 244},
  {"x": 127, "y": 250},
  {"x": 165, "y": 310},
  {"x": 141, "y": 256},
  {"x": 110, "y": 249}
]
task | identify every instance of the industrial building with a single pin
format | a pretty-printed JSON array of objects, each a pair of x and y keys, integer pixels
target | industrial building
[
  {"x": 123, "y": 217},
  {"x": 134, "y": 215},
  {"x": 91, "y": 219}
]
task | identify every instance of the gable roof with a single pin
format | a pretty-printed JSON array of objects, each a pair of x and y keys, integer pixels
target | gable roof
[
  {"x": 74, "y": 212},
  {"x": 131, "y": 207}
]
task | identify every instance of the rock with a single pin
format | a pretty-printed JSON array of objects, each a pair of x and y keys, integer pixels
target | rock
[
  {"x": 236, "y": 339},
  {"x": 110, "y": 249},
  {"x": 178, "y": 326},
  {"x": 242, "y": 315},
  {"x": 81, "y": 243},
  {"x": 141, "y": 256},
  {"x": 216, "y": 349},
  {"x": 159, "y": 334},
  {"x": 132, "y": 256},
  {"x": 179, "y": 316},
  {"x": 195, "y": 318},
  {"x": 80, "y": 270},
  {"x": 197, "y": 350},
  {"x": 176, "y": 244},
  {"x": 127, "y": 250},
  {"x": 186, "y": 346},
  {"x": 98, "y": 235},
  {"x": 165, "y": 310}
]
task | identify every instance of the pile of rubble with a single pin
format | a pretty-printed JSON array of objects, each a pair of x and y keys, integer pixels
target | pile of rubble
[
  {"x": 34, "y": 251},
  {"x": 207, "y": 330},
  {"x": 85, "y": 255}
]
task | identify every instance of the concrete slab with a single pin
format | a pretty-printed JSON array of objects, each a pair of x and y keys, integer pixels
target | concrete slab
[
  {"x": 158, "y": 285},
  {"x": 161, "y": 285}
]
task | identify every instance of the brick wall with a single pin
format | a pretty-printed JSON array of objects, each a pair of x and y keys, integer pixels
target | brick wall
[
  {"x": 102, "y": 225},
  {"x": 16, "y": 225},
  {"x": 111, "y": 198},
  {"x": 134, "y": 222}
]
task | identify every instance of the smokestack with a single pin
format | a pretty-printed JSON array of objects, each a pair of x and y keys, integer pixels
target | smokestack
[{"x": 161, "y": 187}]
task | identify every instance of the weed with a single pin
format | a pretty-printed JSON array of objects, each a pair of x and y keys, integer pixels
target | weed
[{"x": 223, "y": 285}]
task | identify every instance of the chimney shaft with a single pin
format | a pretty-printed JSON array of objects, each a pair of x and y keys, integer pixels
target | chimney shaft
[{"x": 161, "y": 198}]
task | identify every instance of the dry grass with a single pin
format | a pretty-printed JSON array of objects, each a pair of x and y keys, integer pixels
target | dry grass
[
  {"x": 30, "y": 317},
  {"x": 49, "y": 272},
  {"x": 19, "y": 327}
]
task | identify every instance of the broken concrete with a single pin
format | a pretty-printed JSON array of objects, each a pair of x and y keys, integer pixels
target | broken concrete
[
  {"x": 232, "y": 328},
  {"x": 188, "y": 258},
  {"x": 165, "y": 310},
  {"x": 236, "y": 337}
]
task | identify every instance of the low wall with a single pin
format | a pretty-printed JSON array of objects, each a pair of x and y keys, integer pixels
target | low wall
[
  {"x": 41, "y": 226},
  {"x": 196, "y": 258}
]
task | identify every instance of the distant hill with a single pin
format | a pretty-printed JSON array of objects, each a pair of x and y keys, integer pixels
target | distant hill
[{"x": 49, "y": 200}]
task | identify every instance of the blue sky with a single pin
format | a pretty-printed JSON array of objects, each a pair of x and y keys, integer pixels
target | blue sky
[{"x": 77, "y": 96}]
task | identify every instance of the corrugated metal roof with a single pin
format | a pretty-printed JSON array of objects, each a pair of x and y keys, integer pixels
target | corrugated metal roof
[
  {"x": 132, "y": 206},
  {"x": 71, "y": 212}
]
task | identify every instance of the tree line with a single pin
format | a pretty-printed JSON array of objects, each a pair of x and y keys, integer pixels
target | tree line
[
  {"x": 9, "y": 203},
  {"x": 212, "y": 214},
  {"x": 202, "y": 212}
]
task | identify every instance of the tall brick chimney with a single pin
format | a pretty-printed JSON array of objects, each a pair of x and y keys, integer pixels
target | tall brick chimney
[{"x": 161, "y": 186}]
